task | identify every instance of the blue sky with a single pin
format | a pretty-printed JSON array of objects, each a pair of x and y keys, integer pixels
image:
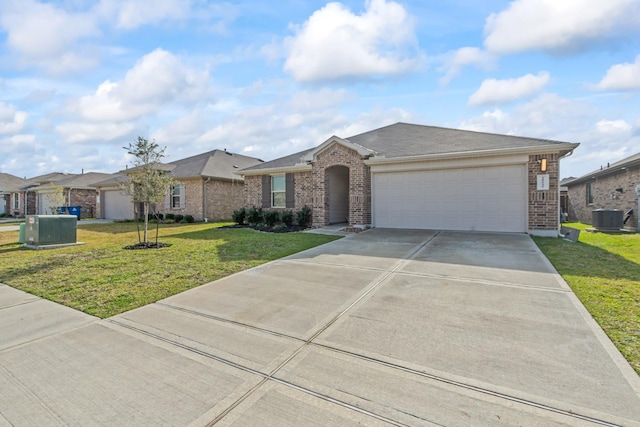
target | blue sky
[{"x": 81, "y": 79}]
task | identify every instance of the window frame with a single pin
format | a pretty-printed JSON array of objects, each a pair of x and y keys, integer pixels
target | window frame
[
  {"x": 589, "y": 193},
  {"x": 175, "y": 197},
  {"x": 16, "y": 200},
  {"x": 282, "y": 193}
]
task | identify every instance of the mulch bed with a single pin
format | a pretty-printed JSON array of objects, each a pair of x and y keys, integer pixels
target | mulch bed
[{"x": 148, "y": 245}]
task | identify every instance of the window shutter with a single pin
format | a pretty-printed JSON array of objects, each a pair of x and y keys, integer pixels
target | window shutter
[
  {"x": 290, "y": 191},
  {"x": 183, "y": 196},
  {"x": 266, "y": 191}
]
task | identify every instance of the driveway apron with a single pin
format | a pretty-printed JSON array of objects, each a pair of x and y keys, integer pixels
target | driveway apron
[{"x": 384, "y": 327}]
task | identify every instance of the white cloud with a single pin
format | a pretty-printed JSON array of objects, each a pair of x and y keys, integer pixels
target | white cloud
[
  {"x": 558, "y": 26},
  {"x": 494, "y": 91},
  {"x": 622, "y": 76},
  {"x": 157, "y": 79},
  {"x": 45, "y": 35},
  {"x": 334, "y": 43},
  {"x": 12, "y": 121},
  {"x": 455, "y": 60},
  {"x": 614, "y": 127},
  {"x": 77, "y": 132}
]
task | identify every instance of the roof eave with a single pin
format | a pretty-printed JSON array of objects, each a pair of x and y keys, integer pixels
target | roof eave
[
  {"x": 563, "y": 149},
  {"x": 300, "y": 167},
  {"x": 604, "y": 172}
]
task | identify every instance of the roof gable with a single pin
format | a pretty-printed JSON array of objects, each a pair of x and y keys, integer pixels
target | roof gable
[{"x": 310, "y": 155}]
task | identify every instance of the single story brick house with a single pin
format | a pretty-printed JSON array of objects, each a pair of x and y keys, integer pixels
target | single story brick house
[
  {"x": 610, "y": 187},
  {"x": 421, "y": 177},
  {"x": 9, "y": 185},
  {"x": 77, "y": 189},
  {"x": 23, "y": 200},
  {"x": 208, "y": 188}
]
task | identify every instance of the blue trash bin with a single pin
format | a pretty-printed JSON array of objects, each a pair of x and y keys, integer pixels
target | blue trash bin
[{"x": 75, "y": 210}]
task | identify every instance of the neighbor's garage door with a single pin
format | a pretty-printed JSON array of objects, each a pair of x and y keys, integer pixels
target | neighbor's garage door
[
  {"x": 116, "y": 205},
  {"x": 480, "y": 199}
]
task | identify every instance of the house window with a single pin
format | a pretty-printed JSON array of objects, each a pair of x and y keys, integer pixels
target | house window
[
  {"x": 278, "y": 191},
  {"x": 16, "y": 201},
  {"x": 590, "y": 193},
  {"x": 176, "y": 197}
]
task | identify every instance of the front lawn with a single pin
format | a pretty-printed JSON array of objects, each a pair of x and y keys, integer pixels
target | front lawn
[
  {"x": 103, "y": 279},
  {"x": 604, "y": 272}
]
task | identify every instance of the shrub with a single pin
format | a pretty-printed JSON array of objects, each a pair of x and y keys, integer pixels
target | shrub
[
  {"x": 254, "y": 215},
  {"x": 303, "y": 216},
  {"x": 169, "y": 221},
  {"x": 271, "y": 217},
  {"x": 287, "y": 218},
  {"x": 178, "y": 217},
  {"x": 189, "y": 219},
  {"x": 170, "y": 216},
  {"x": 239, "y": 215}
]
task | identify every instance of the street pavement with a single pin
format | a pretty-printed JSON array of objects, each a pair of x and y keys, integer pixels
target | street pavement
[{"x": 383, "y": 327}]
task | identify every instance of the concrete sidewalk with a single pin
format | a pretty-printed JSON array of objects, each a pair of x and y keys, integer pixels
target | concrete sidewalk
[{"x": 385, "y": 327}]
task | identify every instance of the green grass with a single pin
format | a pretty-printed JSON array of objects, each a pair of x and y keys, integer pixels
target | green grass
[
  {"x": 604, "y": 272},
  {"x": 103, "y": 279}
]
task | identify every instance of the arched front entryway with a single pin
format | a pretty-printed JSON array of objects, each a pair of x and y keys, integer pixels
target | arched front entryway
[{"x": 337, "y": 190}]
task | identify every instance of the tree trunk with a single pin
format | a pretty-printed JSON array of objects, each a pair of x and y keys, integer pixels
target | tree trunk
[{"x": 146, "y": 220}]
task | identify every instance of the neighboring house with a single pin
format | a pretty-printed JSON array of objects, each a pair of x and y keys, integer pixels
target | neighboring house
[
  {"x": 207, "y": 188},
  {"x": 564, "y": 196},
  {"x": 24, "y": 201},
  {"x": 610, "y": 187},
  {"x": 78, "y": 190},
  {"x": 422, "y": 177},
  {"x": 9, "y": 184}
]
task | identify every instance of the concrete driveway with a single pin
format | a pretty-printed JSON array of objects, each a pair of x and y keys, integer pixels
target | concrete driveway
[{"x": 386, "y": 327}]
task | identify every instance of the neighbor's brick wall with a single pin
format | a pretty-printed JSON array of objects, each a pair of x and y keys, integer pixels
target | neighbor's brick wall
[
  {"x": 223, "y": 197},
  {"x": 193, "y": 200},
  {"x": 543, "y": 205},
  {"x": 86, "y": 199},
  {"x": 359, "y": 185},
  {"x": 603, "y": 188}
]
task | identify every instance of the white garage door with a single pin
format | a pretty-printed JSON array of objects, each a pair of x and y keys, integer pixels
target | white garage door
[
  {"x": 475, "y": 199},
  {"x": 116, "y": 205},
  {"x": 44, "y": 203}
]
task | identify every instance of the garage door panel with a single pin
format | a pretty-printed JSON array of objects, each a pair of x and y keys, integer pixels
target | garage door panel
[
  {"x": 481, "y": 199},
  {"x": 117, "y": 205}
]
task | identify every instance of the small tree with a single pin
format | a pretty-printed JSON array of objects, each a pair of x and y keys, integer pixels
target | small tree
[
  {"x": 148, "y": 183},
  {"x": 56, "y": 198}
]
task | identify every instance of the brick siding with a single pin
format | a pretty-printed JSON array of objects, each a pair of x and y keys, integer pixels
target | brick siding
[
  {"x": 223, "y": 197},
  {"x": 359, "y": 185},
  {"x": 604, "y": 187},
  {"x": 543, "y": 204}
]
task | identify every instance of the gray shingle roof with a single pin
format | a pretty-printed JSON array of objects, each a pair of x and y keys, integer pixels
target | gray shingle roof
[
  {"x": 80, "y": 181},
  {"x": 627, "y": 162},
  {"x": 216, "y": 164},
  {"x": 408, "y": 140},
  {"x": 9, "y": 183}
]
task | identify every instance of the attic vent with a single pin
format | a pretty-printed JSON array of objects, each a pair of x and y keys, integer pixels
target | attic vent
[
  {"x": 235, "y": 166},
  {"x": 226, "y": 152}
]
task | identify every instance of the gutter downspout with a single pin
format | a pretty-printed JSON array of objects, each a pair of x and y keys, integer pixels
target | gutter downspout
[{"x": 204, "y": 199}]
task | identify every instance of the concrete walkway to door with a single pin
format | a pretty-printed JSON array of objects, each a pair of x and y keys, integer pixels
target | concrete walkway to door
[{"x": 384, "y": 327}]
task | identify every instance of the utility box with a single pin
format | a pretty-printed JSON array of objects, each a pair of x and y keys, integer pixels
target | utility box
[
  {"x": 50, "y": 229},
  {"x": 607, "y": 219}
]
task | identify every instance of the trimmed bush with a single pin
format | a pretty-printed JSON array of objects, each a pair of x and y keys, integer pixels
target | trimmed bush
[
  {"x": 189, "y": 219},
  {"x": 254, "y": 215},
  {"x": 271, "y": 217},
  {"x": 178, "y": 217},
  {"x": 303, "y": 216},
  {"x": 170, "y": 216},
  {"x": 239, "y": 215},
  {"x": 287, "y": 218}
]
